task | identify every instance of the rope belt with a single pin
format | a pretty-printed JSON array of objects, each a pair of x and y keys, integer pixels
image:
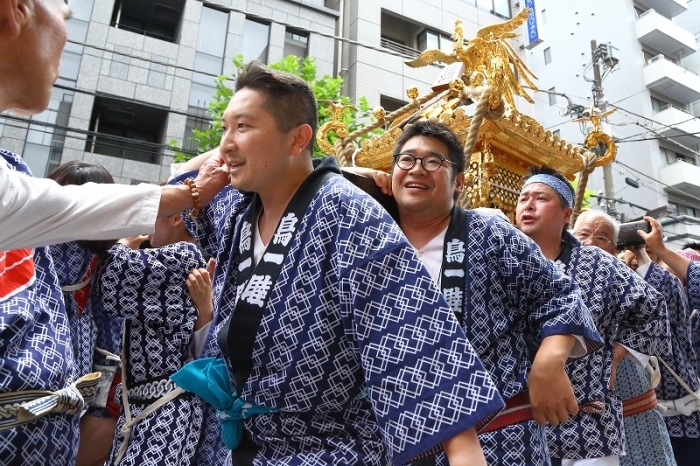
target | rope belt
[
  {"x": 164, "y": 392},
  {"x": 17, "y": 408},
  {"x": 684, "y": 406},
  {"x": 639, "y": 404}
]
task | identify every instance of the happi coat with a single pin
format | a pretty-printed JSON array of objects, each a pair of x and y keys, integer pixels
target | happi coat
[
  {"x": 508, "y": 292},
  {"x": 36, "y": 351},
  {"x": 147, "y": 288},
  {"x": 626, "y": 310},
  {"x": 356, "y": 348}
]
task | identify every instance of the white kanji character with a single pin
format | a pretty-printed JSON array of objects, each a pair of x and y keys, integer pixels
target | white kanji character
[
  {"x": 246, "y": 233},
  {"x": 257, "y": 289},
  {"x": 285, "y": 230},
  {"x": 455, "y": 251},
  {"x": 453, "y": 296}
]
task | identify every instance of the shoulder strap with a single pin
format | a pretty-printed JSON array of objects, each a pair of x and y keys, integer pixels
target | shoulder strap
[{"x": 454, "y": 258}]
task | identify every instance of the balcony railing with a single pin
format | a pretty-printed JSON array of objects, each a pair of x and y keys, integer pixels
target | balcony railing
[{"x": 399, "y": 48}]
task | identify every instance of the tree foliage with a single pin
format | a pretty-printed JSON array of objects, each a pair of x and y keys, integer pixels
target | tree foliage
[{"x": 325, "y": 88}]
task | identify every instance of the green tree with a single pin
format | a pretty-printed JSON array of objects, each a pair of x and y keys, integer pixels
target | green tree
[
  {"x": 587, "y": 194},
  {"x": 325, "y": 88}
]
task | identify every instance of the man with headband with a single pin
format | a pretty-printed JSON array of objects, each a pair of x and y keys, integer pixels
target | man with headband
[{"x": 628, "y": 314}]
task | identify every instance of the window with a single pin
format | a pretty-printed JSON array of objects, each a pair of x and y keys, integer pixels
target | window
[
  {"x": 200, "y": 123},
  {"x": 557, "y": 133},
  {"x": 152, "y": 18},
  {"x": 390, "y": 104},
  {"x": 543, "y": 16},
  {"x": 126, "y": 129},
  {"x": 552, "y": 96},
  {"x": 296, "y": 43},
  {"x": 256, "y": 38},
  {"x": 680, "y": 209},
  {"x": 209, "y": 56},
  {"x": 499, "y": 8},
  {"x": 673, "y": 157},
  {"x": 547, "y": 56},
  {"x": 429, "y": 39}
]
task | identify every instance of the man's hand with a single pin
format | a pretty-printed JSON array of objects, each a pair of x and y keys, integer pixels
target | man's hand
[
  {"x": 551, "y": 395},
  {"x": 619, "y": 352},
  {"x": 213, "y": 176},
  {"x": 199, "y": 285},
  {"x": 381, "y": 179},
  {"x": 464, "y": 449},
  {"x": 654, "y": 239}
]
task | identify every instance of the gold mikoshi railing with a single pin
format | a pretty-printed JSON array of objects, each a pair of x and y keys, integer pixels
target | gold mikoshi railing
[{"x": 500, "y": 143}]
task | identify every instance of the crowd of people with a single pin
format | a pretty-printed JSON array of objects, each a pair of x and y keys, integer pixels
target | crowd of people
[{"x": 259, "y": 308}]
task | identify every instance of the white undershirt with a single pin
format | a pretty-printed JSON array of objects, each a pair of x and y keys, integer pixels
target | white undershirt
[
  {"x": 431, "y": 255},
  {"x": 258, "y": 245}
]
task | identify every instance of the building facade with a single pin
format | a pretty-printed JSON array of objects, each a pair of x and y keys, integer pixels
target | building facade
[
  {"x": 649, "y": 61},
  {"x": 137, "y": 76}
]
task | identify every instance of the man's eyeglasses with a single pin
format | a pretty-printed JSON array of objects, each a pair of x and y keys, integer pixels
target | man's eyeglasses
[
  {"x": 599, "y": 240},
  {"x": 431, "y": 163}
]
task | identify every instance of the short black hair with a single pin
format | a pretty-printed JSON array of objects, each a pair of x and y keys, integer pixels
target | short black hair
[
  {"x": 544, "y": 170},
  {"x": 288, "y": 98},
  {"x": 78, "y": 172},
  {"x": 692, "y": 245},
  {"x": 439, "y": 131}
]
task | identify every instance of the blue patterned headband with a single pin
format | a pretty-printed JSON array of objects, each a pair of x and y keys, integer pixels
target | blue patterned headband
[{"x": 556, "y": 184}]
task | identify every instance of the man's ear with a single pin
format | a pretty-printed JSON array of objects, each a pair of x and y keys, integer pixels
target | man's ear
[
  {"x": 176, "y": 220},
  {"x": 459, "y": 183},
  {"x": 302, "y": 136},
  {"x": 13, "y": 14},
  {"x": 567, "y": 215}
]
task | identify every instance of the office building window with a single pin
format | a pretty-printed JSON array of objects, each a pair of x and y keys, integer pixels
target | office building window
[
  {"x": 673, "y": 156},
  {"x": 152, "y": 18},
  {"x": 499, "y": 8},
  {"x": 256, "y": 38},
  {"x": 543, "y": 16},
  {"x": 552, "y": 96},
  {"x": 296, "y": 43},
  {"x": 429, "y": 39},
  {"x": 547, "y": 56},
  {"x": 127, "y": 130}
]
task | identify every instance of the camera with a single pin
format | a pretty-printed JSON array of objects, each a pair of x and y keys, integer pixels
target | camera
[{"x": 629, "y": 237}]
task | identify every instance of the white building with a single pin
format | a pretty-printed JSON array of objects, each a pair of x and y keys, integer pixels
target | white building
[
  {"x": 128, "y": 84},
  {"x": 655, "y": 85},
  {"x": 138, "y": 74}
]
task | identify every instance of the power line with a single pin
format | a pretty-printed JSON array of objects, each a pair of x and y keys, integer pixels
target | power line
[
  {"x": 683, "y": 193},
  {"x": 646, "y": 88}
]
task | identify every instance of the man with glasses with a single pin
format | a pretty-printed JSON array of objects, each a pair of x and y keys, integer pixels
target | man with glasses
[
  {"x": 500, "y": 288},
  {"x": 647, "y": 439},
  {"x": 627, "y": 312}
]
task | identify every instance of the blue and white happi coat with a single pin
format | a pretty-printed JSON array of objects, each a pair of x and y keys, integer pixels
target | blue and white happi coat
[
  {"x": 626, "y": 310},
  {"x": 147, "y": 288},
  {"x": 511, "y": 293},
  {"x": 35, "y": 352},
  {"x": 646, "y": 436},
  {"x": 356, "y": 346},
  {"x": 74, "y": 265},
  {"x": 683, "y": 355}
]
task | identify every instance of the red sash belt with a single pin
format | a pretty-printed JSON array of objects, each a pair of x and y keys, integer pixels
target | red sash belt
[
  {"x": 518, "y": 409},
  {"x": 639, "y": 404}
]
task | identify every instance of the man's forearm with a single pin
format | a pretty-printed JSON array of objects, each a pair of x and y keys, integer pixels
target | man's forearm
[{"x": 464, "y": 449}]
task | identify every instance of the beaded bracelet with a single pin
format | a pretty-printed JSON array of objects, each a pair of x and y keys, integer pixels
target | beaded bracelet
[{"x": 195, "y": 197}]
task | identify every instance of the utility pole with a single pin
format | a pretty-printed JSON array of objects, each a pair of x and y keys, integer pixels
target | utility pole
[{"x": 600, "y": 104}]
